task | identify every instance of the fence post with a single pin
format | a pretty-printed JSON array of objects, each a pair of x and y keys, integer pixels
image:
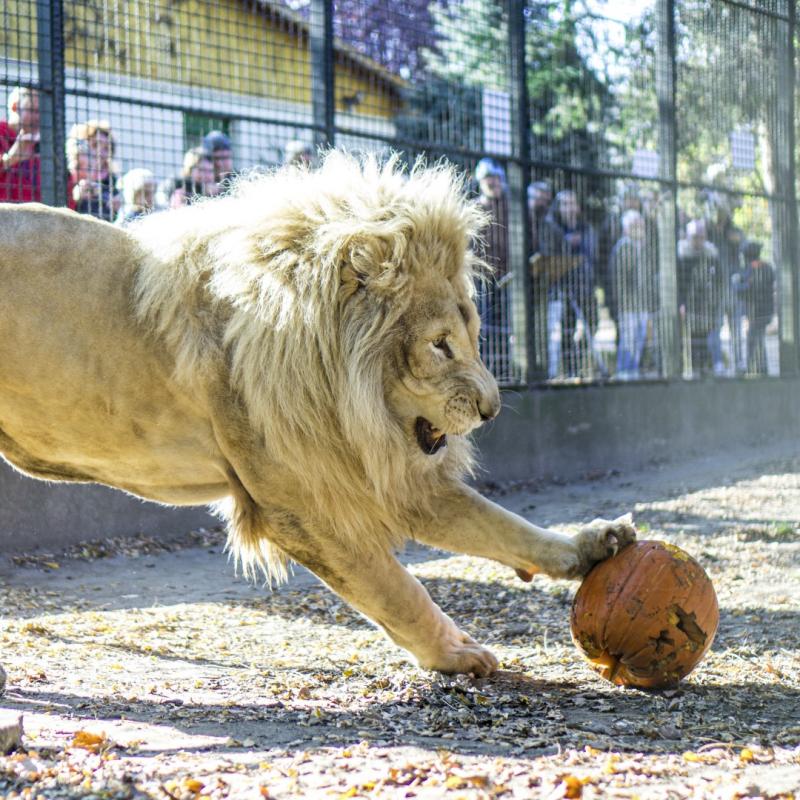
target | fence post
[
  {"x": 518, "y": 172},
  {"x": 50, "y": 55},
  {"x": 669, "y": 326},
  {"x": 323, "y": 102},
  {"x": 785, "y": 235}
]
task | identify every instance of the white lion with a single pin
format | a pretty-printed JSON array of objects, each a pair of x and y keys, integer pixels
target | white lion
[{"x": 303, "y": 352}]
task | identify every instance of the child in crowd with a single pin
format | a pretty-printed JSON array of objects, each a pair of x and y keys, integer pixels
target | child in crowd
[{"x": 138, "y": 193}]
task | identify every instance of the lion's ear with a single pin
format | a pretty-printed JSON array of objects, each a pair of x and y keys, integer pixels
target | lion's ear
[{"x": 374, "y": 264}]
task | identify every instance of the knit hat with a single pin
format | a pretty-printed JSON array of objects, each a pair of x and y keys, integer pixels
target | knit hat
[
  {"x": 487, "y": 167},
  {"x": 216, "y": 140}
]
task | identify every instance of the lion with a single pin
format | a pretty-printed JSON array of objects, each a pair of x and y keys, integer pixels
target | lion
[{"x": 301, "y": 353}]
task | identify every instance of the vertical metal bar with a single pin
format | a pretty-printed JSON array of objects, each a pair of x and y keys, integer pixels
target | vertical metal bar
[
  {"x": 322, "y": 73},
  {"x": 668, "y": 317},
  {"x": 518, "y": 172},
  {"x": 50, "y": 54},
  {"x": 785, "y": 237}
]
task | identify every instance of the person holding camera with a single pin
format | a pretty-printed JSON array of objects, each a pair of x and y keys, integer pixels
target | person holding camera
[
  {"x": 20, "y": 178},
  {"x": 92, "y": 185}
]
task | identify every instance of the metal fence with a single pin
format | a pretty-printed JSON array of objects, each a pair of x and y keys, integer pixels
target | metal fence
[{"x": 637, "y": 158}]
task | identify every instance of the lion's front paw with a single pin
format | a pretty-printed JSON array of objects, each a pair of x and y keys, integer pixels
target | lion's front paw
[
  {"x": 459, "y": 653},
  {"x": 600, "y": 540}
]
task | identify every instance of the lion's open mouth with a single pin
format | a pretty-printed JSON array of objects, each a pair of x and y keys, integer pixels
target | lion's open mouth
[{"x": 429, "y": 438}]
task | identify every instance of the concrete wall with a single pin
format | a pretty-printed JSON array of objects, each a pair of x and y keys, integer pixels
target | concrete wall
[
  {"x": 37, "y": 515},
  {"x": 544, "y": 433},
  {"x": 571, "y": 431}
]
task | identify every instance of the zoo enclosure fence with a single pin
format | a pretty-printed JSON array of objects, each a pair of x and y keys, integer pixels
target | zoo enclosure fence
[{"x": 627, "y": 152}]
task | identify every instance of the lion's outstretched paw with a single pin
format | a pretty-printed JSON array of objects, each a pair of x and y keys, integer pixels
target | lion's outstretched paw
[
  {"x": 461, "y": 654},
  {"x": 599, "y": 540}
]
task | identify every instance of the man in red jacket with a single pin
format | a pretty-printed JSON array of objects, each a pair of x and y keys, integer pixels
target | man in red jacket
[{"x": 20, "y": 180}]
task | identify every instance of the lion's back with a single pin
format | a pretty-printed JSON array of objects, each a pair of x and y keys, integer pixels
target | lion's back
[{"x": 34, "y": 237}]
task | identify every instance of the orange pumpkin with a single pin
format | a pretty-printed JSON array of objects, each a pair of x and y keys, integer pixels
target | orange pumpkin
[{"x": 646, "y": 616}]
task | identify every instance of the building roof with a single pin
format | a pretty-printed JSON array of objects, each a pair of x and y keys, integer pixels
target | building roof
[{"x": 343, "y": 53}]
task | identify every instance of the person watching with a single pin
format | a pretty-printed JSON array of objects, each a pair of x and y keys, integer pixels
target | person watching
[
  {"x": 20, "y": 174},
  {"x": 95, "y": 190},
  {"x": 298, "y": 153},
  {"x": 138, "y": 194},
  {"x": 197, "y": 179},
  {"x": 220, "y": 150}
]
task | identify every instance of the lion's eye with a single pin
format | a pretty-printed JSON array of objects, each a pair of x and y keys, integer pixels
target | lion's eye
[{"x": 441, "y": 344}]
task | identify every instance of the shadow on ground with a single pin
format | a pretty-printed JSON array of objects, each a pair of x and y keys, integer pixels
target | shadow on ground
[{"x": 537, "y": 716}]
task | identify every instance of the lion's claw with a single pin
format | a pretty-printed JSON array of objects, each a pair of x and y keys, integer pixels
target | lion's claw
[{"x": 600, "y": 540}]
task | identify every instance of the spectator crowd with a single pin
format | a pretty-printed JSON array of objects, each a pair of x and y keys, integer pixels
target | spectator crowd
[
  {"x": 583, "y": 268},
  {"x": 93, "y": 184}
]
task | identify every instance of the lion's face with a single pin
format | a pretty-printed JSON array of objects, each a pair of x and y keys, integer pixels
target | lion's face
[{"x": 441, "y": 386}]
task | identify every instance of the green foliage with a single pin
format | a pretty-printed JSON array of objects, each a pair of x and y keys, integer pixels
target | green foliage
[
  {"x": 471, "y": 43},
  {"x": 570, "y": 102},
  {"x": 441, "y": 114}
]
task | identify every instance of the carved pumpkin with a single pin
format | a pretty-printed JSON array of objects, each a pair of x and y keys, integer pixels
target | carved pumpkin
[{"x": 646, "y": 616}]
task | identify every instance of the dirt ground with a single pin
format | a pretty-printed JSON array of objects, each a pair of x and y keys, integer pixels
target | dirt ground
[{"x": 145, "y": 670}]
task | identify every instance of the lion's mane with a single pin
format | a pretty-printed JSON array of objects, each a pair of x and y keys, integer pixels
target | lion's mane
[{"x": 297, "y": 281}]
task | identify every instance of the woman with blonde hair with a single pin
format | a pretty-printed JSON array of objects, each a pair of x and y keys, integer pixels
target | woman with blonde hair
[{"x": 92, "y": 179}]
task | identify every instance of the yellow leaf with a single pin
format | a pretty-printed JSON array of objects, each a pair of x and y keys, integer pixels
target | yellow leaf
[
  {"x": 52, "y": 564},
  {"x": 88, "y": 741},
  {"x": 573, "y": 787},
  {"x": 746, "y": 755},
  {"x": 351, "y": 792},
  {"x": 690, "y": 756},
  {"x": 455, "y": 782},
  {"x": 193, "y": 785}
]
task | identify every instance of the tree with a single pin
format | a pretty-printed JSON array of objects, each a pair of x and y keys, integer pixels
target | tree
[
  {"x": 441, "y": 115},
  {"x": 393, "y": 34},
  {"x": 728, "y": 70},
  {"x": 569, "y": 101}
]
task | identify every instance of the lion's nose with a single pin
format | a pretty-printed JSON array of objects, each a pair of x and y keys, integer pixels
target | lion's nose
[{"x": 488, "y": 408}]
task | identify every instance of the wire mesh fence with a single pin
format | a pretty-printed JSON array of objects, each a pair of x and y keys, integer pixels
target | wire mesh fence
[{"x": 637, "y": 159}]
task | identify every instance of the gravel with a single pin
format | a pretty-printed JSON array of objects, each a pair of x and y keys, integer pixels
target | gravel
[{"x": 145, "y": 671}]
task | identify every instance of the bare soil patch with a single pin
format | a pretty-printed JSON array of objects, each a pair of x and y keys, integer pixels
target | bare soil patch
[{"x": 149, "y": 671}]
